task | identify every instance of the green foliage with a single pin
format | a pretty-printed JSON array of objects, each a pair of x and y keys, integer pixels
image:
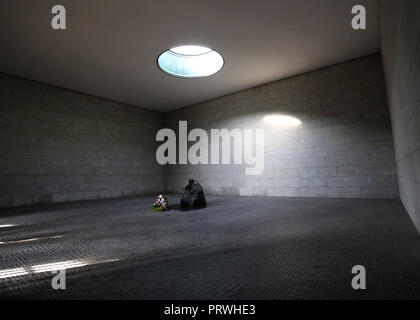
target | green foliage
[{"x": 156, "y": 208}]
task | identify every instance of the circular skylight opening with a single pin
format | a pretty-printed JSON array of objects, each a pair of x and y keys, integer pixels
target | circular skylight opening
[
  {"x": 190, "y": 50},
  {"x": 190, "y": 61}
]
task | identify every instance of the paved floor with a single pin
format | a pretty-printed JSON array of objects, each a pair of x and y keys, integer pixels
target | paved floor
[{"x": 236, "y": 248}]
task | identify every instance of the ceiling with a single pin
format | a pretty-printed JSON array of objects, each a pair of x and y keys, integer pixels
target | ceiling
[{"x": 110, "y": 47}]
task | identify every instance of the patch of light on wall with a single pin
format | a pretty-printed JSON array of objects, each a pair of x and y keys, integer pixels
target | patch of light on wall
[
  {"x": 190, "y": 61},
  {"x": 282, "y": 121}
]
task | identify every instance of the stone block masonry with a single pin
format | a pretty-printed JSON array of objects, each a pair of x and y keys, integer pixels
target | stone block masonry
[
  {"x": 59, "y": 145},
  {"x": 400, "y": 44},
  {"x": 343, "y": 148}
]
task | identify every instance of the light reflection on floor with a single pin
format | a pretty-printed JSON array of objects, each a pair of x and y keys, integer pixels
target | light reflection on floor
[
  {"x": 30, "y": 240},
  {"x": 54, "y": 266},
  {"x": 46, "y": 267},
  {"x": 15, "y": 272}
]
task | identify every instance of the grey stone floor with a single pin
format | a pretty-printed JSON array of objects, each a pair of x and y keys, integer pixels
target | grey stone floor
[{"x": 236, "y": 248}]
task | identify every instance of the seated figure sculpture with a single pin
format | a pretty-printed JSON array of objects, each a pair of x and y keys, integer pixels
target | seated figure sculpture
[{"x": 193, "y": 196}]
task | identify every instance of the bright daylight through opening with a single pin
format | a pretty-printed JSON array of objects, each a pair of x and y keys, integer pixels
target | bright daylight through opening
[{"x": 190, "y": 61}]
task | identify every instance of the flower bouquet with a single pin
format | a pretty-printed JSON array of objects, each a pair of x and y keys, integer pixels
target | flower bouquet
[{"x": 161, "y": 204}]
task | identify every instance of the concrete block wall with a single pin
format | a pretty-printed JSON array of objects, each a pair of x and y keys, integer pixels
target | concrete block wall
[
  {"x": 59, "y": 145},
  {"x": 400, "y": 46},
  {"x": 343, "y": 148}
]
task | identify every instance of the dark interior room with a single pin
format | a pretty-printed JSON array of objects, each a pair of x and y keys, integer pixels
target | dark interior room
[{"x": 210, "y": 150}]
